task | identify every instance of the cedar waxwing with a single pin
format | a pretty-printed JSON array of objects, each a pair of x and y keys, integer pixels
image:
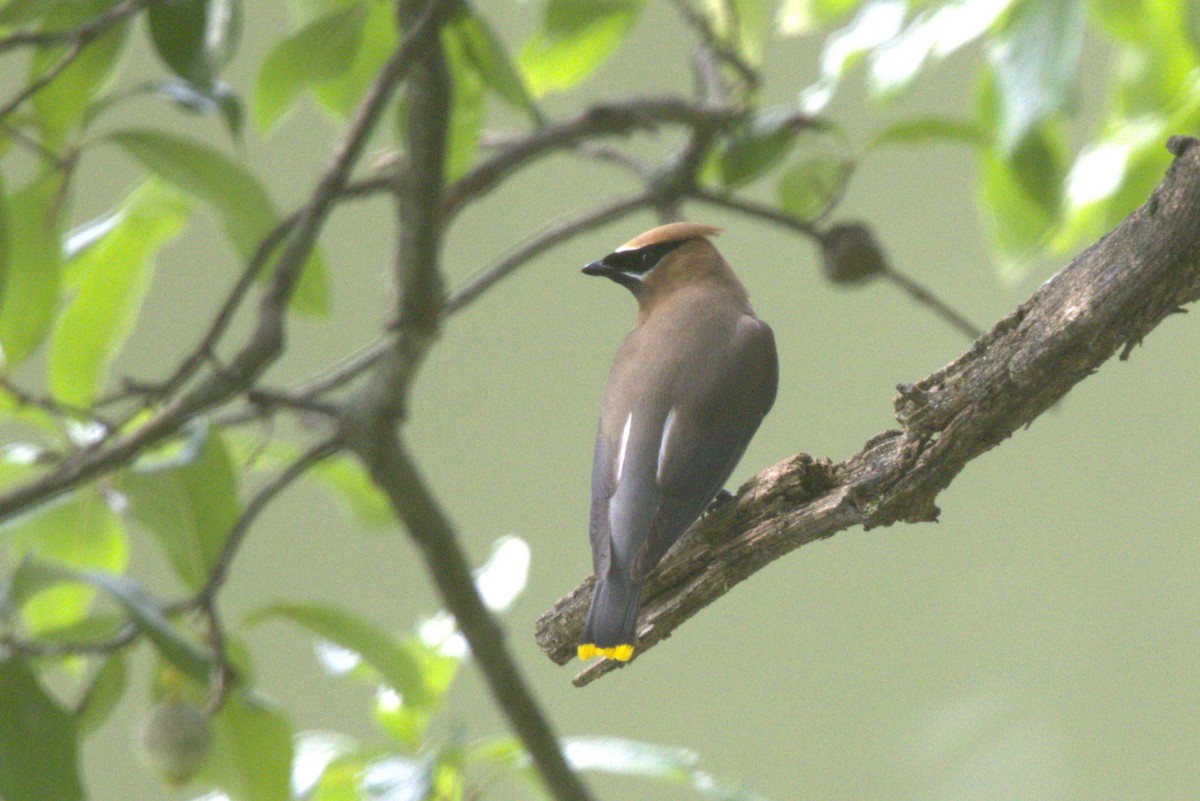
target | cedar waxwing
[{"x": 688, "y": 389}]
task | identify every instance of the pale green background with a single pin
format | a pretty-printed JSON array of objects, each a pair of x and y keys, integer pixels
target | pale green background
[{"x": 1040, "y": 642}]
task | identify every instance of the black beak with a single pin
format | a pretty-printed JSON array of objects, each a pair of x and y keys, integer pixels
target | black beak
[{"x": 598, "y": 268}]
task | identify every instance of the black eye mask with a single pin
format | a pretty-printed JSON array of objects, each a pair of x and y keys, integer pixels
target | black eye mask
[{"x": 642, "y": 260}]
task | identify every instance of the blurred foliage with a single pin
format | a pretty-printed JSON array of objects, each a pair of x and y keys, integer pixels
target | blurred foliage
[{"x": 71, "y": 290}]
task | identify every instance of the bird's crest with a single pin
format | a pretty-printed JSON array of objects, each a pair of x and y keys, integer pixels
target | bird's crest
[{"x": 671, "y": 232}]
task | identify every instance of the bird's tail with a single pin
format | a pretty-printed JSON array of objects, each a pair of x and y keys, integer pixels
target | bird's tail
[{"x": 611, "y": 626}]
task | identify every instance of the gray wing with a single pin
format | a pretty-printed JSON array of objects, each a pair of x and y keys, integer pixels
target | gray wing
[
  {"x": 603, "y": 486},
  {"x": 706, "y": 438}
]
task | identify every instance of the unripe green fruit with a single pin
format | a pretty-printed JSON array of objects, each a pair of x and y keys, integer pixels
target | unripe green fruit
[{"x": 175, "y": 740}]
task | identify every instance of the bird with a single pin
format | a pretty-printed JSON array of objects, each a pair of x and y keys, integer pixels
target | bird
[{"x": 688, "y": 388}]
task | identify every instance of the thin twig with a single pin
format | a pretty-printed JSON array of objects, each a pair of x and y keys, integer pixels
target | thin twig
[
  {"x": 266, "y": 342},
  {"x": 918, "y": 292},
  {"x": 61, "y": 410},
  {"x": 34, "y": 145},
  {"x": 222, "y": 678},
  {"x": 125, "y": 636},
  {"x": 261, "y": 500},
  {"x": 204, "y": 351},
  {"x": 609, "y": 154},
  {"x": 43, "y": 80},
  {"x": 358, "y": 363},
  {"x": 923, "y": 296},
  {"x": 553, "y": 236},
  {"x": 753, "y": 208},
  {"x": 353, "y": 190},
  {"x": 86, "y": 32},
  {"x": 709, "y": 39},
  {"x": 613, "y": 118}
]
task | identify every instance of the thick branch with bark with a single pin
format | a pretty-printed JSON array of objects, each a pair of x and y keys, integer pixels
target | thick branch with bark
[
  {"x": 1104, "y": 301},
  {"x": 368, "y": 425}
]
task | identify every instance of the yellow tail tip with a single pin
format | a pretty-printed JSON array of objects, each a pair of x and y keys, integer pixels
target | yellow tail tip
[{"x": 621, "y": 653}]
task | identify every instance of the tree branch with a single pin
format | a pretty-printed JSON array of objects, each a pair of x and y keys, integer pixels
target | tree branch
[
  {"x": 915, "y": 290},
  {"x": 261, "y": 500},
  {"x": 84, "y": 33},
  {"x": 368, "y": 426},
  {"x": 553, "y": 236},
  {"x": 266, "y": 342},
  {"x": 614, "y": 118},
  {"x": 1108, "y": 298},
  {"x": 394, "y": 473},
  {"x": 42, "y": 81}
]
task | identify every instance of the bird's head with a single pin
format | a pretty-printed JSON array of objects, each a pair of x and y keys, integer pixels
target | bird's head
[{"x": 663, "y": 259}]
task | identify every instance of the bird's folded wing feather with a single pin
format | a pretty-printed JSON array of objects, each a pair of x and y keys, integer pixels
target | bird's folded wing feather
[{"x": 706, "y": 436}]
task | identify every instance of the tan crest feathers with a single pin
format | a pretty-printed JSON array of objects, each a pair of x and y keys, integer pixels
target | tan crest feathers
[{"x": 671, "y": 232}]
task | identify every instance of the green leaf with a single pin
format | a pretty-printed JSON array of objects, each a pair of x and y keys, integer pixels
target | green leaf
[
  {"x": 34, "y": 575},
  {"x": 342, "y": 92},
  {"x": 741, "y": 26},
  {"x": 22, "y": 12},
  {"x": 1155, "y": 66},
  {"x": 1016, "y": 198},
  {"x": 196, "y": 38},
  {"x": 320, "y": 50},
  {"x": 488, "y": 56},
  {"x": 189, "y": 502},
  {"x": 146, "y": 614},
  {"x": 405, "y": 721},
  {"x": 342, "y": 474},
  {"x": 397, "y": 662},
  {"x": 629, "y": 757},
  {"x": 104, "y": 692},
  {"x": 929, "y": 129},
  {"x": 251, "y": 758},
  {"x": 1036, "y": 63},
  {"x": 759, "y": 145},
  {"x": 802, "y": 16},
  {"x": 397, "y": 778},
  {"x": 934, "y": 34},
  {"x": 576, "y": 36},
  {"x": 63, "y": 103},
  {"x": 305, "y": 11},
  {"x": 112, "y": 276},
  {"x": 349, "y": 479},
  {"x": 179, "y": 31},
  {"x": 341, "y": 780},
  {"x": 806, "y": 189},
  {"x": 5, "y": 243},
  {"x": 232, "y": 191},
  {"x": 32, "y": 275},
  {"x": 618, "y": 756},
  {"x": 466, "y": 110},
  {"x": 319, "y": 766},
  {"x": 79, "y": 531},
  {"x": 219, "y": 98},
  {"x": 876, "y": 22},
  {"x": 38, "y": 754}
]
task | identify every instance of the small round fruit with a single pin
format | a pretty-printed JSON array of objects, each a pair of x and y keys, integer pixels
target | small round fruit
[
  {"x": 850, "y": 254},
  {"x": 175, "y": 739}
]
